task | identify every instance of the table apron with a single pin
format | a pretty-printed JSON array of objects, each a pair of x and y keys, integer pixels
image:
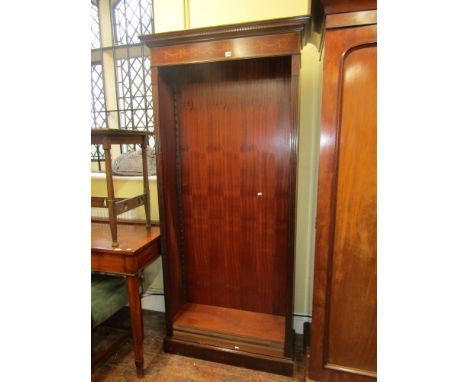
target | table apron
[{"x": 128, "y": 265}]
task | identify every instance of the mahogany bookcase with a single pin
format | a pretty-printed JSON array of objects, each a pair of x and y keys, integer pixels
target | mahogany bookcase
[{"x": 226, "y": 108}]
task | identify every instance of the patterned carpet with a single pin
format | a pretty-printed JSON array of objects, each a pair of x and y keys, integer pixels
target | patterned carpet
[{"x": 119, "y": 365}]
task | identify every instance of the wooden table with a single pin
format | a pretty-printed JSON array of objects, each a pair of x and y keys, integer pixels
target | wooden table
[
  {"x": 117, "y": 206},
  {"x": 138, "y": 247}
]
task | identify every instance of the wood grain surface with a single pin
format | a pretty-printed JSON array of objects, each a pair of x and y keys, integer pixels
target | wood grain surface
[
  {"x": 235, "y": 134},
  {"x": 341, "y": 20},
  {"x": 132, "y": 238},
  {"x": 246, "y": 359},
  {"x": 354, "y": 270},
  {"x": 165, "y": 132},
  {"x": 226, "y": 107},
  {"x": 139, "y": 246},
  {"x": 343, "y": 6},
  {"x": 343, "y": 333},
  {"x": 234, "y": 32},
  {"x": 232, "y": 323},
  {"x": 221, "y": 50}
]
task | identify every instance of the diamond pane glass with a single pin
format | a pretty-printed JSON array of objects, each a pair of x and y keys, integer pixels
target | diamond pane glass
[
  {"x": 95, "y": 31},
  {"x": 134, "y": 96},
  {"x": 98, "y": 107},
  {"x": 132, "y": 18}
]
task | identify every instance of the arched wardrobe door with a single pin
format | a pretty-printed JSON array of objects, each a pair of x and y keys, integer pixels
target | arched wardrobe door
[{"x": 343, "y": 342}]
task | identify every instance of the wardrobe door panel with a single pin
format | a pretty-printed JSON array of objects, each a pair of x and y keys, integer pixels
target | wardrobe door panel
[
  {"x": 352, "y": 307},
  {"x": 343, "y": 345}
]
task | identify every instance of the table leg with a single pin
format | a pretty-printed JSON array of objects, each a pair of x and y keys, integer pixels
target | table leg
[
  {"x": 140, "y": 278},
  {"x": 110, "y": 195},
  {"x": 133, "y": 283},
  {"x": 145, "y": 182}
]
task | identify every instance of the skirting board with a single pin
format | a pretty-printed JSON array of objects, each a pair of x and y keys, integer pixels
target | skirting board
[
  {"x": 153, "y": 302},
  {"x": 156, "y": 303},
  {"x": 298, "y": 323}
]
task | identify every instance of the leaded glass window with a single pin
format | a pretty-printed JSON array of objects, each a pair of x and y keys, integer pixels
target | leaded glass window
[
  {"x": 134, "y": 95},
  {"x": 95, "y": 31},
  {"x": 98, "y": 107},
  {"x": 132, "y": 18},
  {"x": 118, "y": 55},
  {"x": 134, "y": 92}
]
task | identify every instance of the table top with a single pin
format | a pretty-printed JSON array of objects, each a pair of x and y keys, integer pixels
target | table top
[
  {"x": 132, "y": 238},
  {"x": 119, "y": 132}
]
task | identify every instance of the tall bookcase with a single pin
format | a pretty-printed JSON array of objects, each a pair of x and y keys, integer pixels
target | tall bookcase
[{"x": 226, "y": 107}]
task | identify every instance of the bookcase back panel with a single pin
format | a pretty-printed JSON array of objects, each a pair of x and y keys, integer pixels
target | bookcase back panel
[{"x": 235, "y": 150}]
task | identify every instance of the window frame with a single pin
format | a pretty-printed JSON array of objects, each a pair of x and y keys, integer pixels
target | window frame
[{"x": 108, "y": 55}]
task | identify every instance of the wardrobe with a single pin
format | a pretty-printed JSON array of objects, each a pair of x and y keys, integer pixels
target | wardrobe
[
  {"x": 226, "y": 109},
  {"x": 343, "y": 345}
]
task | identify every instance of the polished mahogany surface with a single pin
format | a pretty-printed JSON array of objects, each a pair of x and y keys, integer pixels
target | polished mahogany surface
[
  {"x": 343, "y": 333},
  {"x": 222, "y": 50},
  {"x": 166, "y": 159},
  {"x": 263, "y": 38},
  {"x": 341, "y": 20},
  {"x": 354, "y": 271},
  {"x": 234, "y": 140},
  {"x": 100, "y": 136},
  {"x": 259, "y": 327},
  {"x": 138, "y": 246},
  {"x": 296, "y": 24},
  {"x": 132, "y": 238},
  {"x": 226, "y": 123},
  {"x": 344, "y": 6}
]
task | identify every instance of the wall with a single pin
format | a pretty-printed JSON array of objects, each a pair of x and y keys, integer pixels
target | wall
[
  {"x": 208, "y": 12},
  {"x": 173, "y": 15},
  {"x": 127, "y": 186},
  {"x": 310, "y": 88}
]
